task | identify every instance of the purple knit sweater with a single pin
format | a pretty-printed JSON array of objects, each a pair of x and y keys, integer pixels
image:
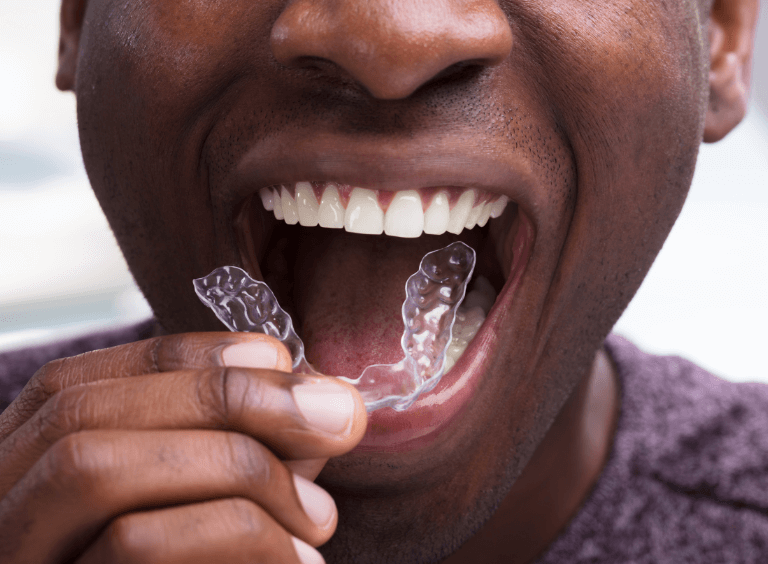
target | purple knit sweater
[{"x": 686, "y": 480}]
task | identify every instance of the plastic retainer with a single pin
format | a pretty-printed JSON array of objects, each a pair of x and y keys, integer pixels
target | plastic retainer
[{"x": 433, "y": 295}]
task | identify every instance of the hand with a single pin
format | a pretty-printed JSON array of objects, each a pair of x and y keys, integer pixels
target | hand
[{"x": 164, "y": 451}]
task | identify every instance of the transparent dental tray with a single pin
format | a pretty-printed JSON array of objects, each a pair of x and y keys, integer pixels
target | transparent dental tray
[{"x": 433, "y": 296}]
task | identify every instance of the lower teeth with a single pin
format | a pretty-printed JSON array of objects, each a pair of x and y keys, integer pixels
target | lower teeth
[
  {"x": 437, "y": 330},
  {"x": 469, "y": 318}
]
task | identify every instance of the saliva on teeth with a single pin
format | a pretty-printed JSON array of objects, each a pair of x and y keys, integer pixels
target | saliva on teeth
[
  {"x": 405, "y": 216},
  {"x": 437, "y": 329}
]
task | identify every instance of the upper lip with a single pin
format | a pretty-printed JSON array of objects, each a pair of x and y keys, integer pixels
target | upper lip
[{"x": 402, "y": 164}]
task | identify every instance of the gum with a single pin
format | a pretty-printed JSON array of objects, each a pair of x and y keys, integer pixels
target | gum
[{"x": 433, "y": 296}]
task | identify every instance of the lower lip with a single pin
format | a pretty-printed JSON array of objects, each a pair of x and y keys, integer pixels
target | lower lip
[{"x": 433, "y": 412}]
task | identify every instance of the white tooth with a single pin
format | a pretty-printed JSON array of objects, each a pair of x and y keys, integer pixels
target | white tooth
[
  {"x": 437, "y": 215},
  {"x": 482, "y": 295},
  {"x": 278, "y": 206},
  {"x": 476, "y": 319},
  {"x": 331, "y": 213},
  {"x": 461, "y": 342},
  {"x": 485, "y": 215},
  {"x": 290, "y": 209},
  {"x": 449, "y": 360},
  {"x": 460, "y": 212},
  {"x": 267, "y": 198},
  {"x": 498, "y": 206},
  {"x": 307, "y": 204},
  {"x": 363, "y": 213},
  {"x": 474, "y": 215},
  {"x": 476, "y": 298},
  {"x": 467, "y": 333},
  {"x": 482, "y": 284},
  {"x": 405, "y": 216},
  {"x": 468, "y": 323},
  {"x": 452, "y": 355}
]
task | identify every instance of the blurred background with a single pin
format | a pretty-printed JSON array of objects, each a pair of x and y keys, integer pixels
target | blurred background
[{"x": 62, "y": 273}]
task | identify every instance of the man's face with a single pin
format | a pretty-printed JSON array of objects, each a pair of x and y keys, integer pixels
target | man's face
[{"x": 586, "y": 114}]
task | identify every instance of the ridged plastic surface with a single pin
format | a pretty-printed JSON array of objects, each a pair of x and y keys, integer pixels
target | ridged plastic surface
[
  {"x": 433, "y": 295},
  {"x": 244, "y": 304}
]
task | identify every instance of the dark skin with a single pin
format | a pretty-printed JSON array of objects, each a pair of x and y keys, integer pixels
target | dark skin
[{"x": 587, "y": 115}]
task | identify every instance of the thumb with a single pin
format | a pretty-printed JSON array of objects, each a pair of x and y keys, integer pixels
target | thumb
[
  {"x": 309, "y": 468},
  {"x": 258, "y": 351}
]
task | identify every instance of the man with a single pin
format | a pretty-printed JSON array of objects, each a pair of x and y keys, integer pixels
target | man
[{"x": 199, "y": 122}]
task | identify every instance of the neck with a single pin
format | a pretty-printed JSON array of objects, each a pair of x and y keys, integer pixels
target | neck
[{"x": 557, "y": 479}]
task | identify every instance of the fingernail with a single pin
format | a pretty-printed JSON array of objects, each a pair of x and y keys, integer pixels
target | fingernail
[
  {"x": 251, "y": 354},
  {"x": 326, "y": 406},
  {"x": 317, "y": 503},
  {"x": 306, "y": 553}
]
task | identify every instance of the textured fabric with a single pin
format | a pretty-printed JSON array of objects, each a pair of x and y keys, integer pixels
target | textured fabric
[{"x": 686, "y": 480}]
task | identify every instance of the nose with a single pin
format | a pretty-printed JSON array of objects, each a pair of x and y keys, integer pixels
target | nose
[{"x": 391, "y": 47}]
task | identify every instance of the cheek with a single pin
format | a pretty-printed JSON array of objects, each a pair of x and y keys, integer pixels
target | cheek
[
  {"x": 626, "y": 79},
  {"x": 175, "y": 56},
  {"x": 153, "y": 75},
  {"x": 621, "y": 67},
  {"x": 149, "y": 80}
]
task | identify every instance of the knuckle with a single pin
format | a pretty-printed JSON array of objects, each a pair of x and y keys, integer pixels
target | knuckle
[
  {"x": 227, "y": 394},
  {"x": 61, "y": 414},
  {"x": 248, "y": 517},
  {"x": 212, "y": 397},
  {"x": 41, "y": 386},
  {"x": 46, "y": 381},
  {"x": 127, "y": 541},
  {"x": 66, "y": 461},
  {"x": 250, "y": 458},
  {"x": 63, "y": 372},
  {"x": 155, "y": 352},
  {"x": 76, "y": 464},
  {"x": 258, "y": 537},
  {"x": 188, "y": 350}
]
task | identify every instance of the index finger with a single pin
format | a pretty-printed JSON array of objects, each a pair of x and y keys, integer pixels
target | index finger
[{"x": 160, "y": 354}]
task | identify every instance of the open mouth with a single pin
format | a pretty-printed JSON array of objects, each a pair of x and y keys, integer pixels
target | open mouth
[{"x": 337, "y": 258}]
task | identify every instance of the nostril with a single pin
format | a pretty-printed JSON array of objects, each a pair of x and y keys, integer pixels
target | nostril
[
  {"x": 392, "y": 49},
  {"x": 462, "y": 71},
  {"x": 313, "y": 63}
]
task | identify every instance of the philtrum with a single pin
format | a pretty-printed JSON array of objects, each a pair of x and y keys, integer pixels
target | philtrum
[{"x": 433, "y": 296}]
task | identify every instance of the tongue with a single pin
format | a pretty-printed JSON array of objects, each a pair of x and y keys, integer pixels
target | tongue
[{"x": 349, "y": 290}]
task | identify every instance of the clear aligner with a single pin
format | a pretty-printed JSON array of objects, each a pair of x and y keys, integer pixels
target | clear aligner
[
  {"x": 244, "y": 304},
  {"x": 433, "y": 296}
]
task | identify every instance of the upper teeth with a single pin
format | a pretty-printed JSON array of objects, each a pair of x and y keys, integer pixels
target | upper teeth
[{"x": 405, "y": 216}]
